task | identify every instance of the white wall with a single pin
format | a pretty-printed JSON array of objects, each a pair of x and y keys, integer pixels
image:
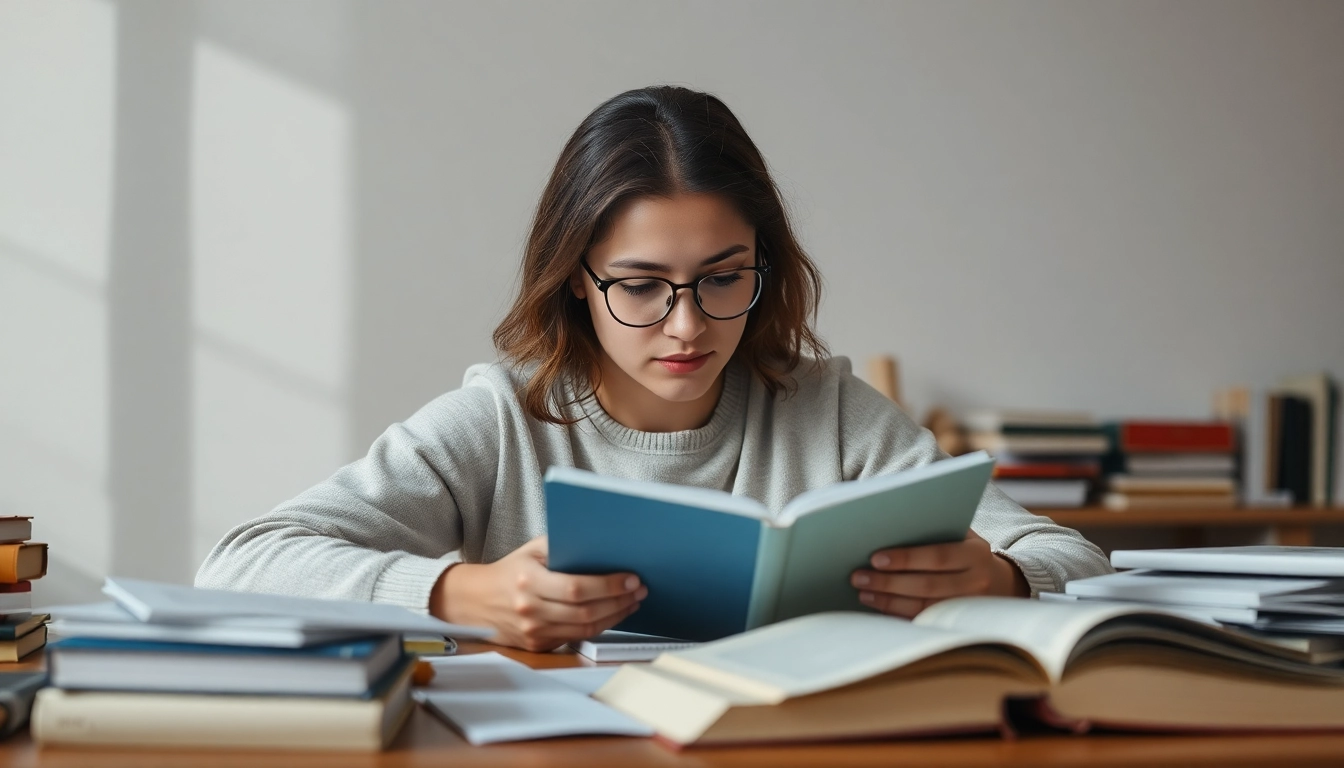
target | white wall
[{"x": 310, "y": 215}]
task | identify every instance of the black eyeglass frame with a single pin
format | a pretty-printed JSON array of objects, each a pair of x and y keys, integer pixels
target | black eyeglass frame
[{"x": 762, "y": 271}]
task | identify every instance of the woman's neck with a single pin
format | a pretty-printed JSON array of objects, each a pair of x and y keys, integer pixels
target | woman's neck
[{"x": 633, "y": 406}]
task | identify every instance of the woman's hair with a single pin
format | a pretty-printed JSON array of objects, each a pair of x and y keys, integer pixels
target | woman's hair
[{"x": 657, "y": 141}]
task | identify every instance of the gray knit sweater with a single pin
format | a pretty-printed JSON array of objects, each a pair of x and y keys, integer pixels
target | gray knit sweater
[{"x": 461, "y": 481}]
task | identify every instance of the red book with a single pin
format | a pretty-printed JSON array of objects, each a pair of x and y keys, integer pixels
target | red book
[
  {"x": 1176, "y": 436},
  {"x": 1047, "y": 470},
  {"x": 18, "y": 586}
]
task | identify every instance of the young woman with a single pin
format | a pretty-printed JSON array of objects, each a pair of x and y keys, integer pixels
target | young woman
[{"x": 661, "y": 331}]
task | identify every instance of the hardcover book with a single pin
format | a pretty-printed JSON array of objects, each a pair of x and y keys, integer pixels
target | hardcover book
[
  {"x": 955, "y": 668},
  {"x": 717, "y": 564}
]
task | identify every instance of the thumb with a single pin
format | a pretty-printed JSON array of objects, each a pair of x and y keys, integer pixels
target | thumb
[{"x": 536, "y": 549}]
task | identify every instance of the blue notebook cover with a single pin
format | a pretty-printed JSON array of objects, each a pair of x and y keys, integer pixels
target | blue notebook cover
[{"x": 703, "y": 552}]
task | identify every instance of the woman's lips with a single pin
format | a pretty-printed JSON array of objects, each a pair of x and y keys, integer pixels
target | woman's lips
[{"x": 684, "y": 365}]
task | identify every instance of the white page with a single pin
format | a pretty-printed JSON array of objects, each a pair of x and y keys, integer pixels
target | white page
[
  {"x": 814, "y": 653},
  {"x": 489, "y": 698},
  {"x": 585, "y": 680},
  {"x": 1049, "y": 630},
  {"x": 1268, "y": 560},
  {"x": 155, "y": 602}
]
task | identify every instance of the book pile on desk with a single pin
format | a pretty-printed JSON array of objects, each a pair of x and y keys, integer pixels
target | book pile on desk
[
  {"x": 1043, "y": 458},
  {"x": 21, "y": 563},
  {"x": 1289, "y": 596},
  {"x": 1162, "y": 464},
  {"x": 170, "y": 666}
]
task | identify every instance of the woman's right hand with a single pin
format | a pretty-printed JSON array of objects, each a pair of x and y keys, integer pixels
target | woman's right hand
[{"x": 531, "y": 607}]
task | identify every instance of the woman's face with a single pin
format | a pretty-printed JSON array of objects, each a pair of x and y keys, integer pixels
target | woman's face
[{"x": 666, "y": 377}]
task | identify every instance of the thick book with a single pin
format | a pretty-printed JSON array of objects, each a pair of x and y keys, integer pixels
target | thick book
[
  {"x": 1142, "y": 436},
  {"x": 1087, "y": 444},
  {"x": 1045, "y": 493},
  {"x": 1180, "y": 464},
  {"x": 1010, "y": 419},
  {"x": 627, "y": 646},
  {"x": 1075, "y": 666},
  {"x": 1326, "y": 562},
  {"x": 17, "y": 596},
  {"x": 179, "y": 720},
  {"x": 1120, "y": 502},
  {"x": 16, "y": 649},
  {"x": 1047, "y": 470},
  {"x": 15, "y": 528},
  {"x": 336, "y": 669},
  {"x": 16, "y": 625},
  {"x": 22, "y": 562},
  {"x": 717, "y": 564}
]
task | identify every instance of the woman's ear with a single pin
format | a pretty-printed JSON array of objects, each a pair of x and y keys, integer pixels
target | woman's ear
[{"x": 577, "y": 286}]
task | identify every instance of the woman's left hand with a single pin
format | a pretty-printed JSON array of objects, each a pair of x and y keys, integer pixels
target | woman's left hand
[{"x": 906, "y": 580}]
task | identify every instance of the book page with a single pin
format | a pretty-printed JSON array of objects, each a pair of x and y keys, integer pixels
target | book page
[
  {"x": 1048, "y": 630},
  {"x": 814, "y": 653}
]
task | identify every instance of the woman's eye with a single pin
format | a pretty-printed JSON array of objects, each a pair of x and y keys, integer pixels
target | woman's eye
[
  {"x": 723, "y": 281},
  {"x": 639, "y": 289}
]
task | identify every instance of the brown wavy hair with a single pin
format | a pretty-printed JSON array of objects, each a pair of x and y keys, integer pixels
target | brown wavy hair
[{"x": 657, "y": 141}]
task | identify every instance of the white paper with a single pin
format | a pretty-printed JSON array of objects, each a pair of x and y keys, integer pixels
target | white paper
[
  {"x": 158, "y": 603},
  {"x": 490, "y": 698},
  {"x": 585, "y": 680}
]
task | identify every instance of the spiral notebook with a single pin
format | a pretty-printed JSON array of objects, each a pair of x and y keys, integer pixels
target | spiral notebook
[{"x": 627, "y": 646}]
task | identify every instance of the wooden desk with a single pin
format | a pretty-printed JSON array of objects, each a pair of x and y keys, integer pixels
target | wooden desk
[
  {"x": 1291, "y": 526},
  {"x": 426, "y": 741}
]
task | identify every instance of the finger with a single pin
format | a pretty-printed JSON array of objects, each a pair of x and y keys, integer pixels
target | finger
[
  {"x": 545, "y": 634},
  {"x": 569, "y": 588},
  {"x": 593, "y": 611},
  {"x": 952, "y": 556},
  {"x": 894, "y": 605},
  {"x": 923, "y": 584}
]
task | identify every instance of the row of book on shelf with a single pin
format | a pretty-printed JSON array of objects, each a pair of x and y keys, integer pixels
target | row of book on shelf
[{"x": 1273, "y": 447}]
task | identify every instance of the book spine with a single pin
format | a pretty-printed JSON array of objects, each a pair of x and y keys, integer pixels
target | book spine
[
  {"x": 1158, "y": 437},
  {"x": 1295, "y": 448}
]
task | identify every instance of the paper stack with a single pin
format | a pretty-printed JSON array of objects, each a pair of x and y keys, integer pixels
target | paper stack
[
  {"x": 173, "y": 666},
  {"x": 1291, "y": 596}
]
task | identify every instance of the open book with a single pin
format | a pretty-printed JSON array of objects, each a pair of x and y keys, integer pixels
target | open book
[
  {"x": 717, "y": 564},
  {"x": 954, "y": 669}
]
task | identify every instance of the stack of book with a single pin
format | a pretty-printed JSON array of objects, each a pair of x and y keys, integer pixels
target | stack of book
[
  {"x": 1291, "y": 597},
  {"x": 1288, "y": 440},
  {"x": 1160, "y": 464},
  {"x": 171, "y": 666},
  {"x": 21, "y": 562},
  {"x": 1043, "y": 458}
]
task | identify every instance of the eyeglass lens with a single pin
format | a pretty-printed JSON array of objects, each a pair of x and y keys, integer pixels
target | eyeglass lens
[{"x": 722, "y": 295}]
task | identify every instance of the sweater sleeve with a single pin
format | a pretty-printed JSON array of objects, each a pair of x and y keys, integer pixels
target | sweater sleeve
[
  {"x": 383, "y": 528},
  {"x": 878, "y": 438}
]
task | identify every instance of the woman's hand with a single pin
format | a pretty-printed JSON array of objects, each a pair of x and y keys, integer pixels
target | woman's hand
[
  {"x": 906, "y": 580},
  {"x": 531, "y": 607}
]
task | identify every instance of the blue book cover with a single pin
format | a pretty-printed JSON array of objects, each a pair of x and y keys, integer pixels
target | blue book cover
[{"x": 717, "y": 564}]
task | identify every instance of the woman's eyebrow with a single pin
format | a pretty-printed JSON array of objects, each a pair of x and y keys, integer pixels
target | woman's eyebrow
[{"x": 653, "y": 266}]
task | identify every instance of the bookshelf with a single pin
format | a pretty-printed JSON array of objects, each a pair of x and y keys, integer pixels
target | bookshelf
[{"x": 1295, "y": 526}]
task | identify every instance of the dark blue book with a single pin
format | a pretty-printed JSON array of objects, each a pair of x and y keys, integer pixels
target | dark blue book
[
  {"x": 717, "y": 564},
  {"x": 348, "y": 668}
]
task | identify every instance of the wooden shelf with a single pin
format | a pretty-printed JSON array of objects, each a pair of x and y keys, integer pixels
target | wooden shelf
[
  {"x": 1105, "y": 518},
  {"x": 1294, "y": 526}
]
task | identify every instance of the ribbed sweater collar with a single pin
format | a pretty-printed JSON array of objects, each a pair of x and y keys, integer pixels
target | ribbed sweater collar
[{"x": 727, "y": 412}]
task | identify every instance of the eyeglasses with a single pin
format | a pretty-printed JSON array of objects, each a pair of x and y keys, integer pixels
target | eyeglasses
[{"x": 639, "y": 302}]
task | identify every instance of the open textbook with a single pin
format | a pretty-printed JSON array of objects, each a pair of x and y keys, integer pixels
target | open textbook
[
  {"x": 717, "y": 564},
  {"x": 850, "y": 675}
]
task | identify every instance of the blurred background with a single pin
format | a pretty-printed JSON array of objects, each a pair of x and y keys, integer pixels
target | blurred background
[{"x": 239, "y": 238}]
